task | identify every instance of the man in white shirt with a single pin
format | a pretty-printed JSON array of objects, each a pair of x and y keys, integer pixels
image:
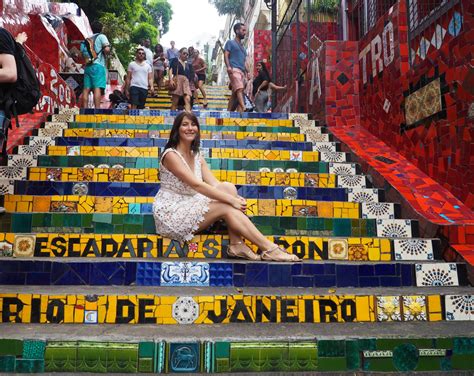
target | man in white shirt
[
  {"x": 148, "y": 53},
  {"x": 139, "y": 79}
]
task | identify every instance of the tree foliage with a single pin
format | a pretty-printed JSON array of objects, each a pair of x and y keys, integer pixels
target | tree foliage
[
  {"x": 224, "y": 7},
  {"x": 142, "y": 31},
  {"x": 160, "y": 9}
]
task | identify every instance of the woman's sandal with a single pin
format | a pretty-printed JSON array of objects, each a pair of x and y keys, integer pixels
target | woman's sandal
[
  {"x": 242, "y": 252},
  {"x": 278, "y": 254}
]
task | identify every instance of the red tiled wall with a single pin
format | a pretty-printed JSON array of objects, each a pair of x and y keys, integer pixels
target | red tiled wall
[
  {"x": 440, "y": 144},
  {"x": 262, "y": 49}
]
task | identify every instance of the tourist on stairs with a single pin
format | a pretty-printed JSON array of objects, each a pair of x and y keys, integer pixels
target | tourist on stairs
[
  {"x": 200, "y": 67},
  {"x": 159, "y": 65},
  {"x": 181, "y": 72},
  {"x": 139, "y": 79},
  {"x": 191, "y": 199},
  {"x": 172, "y": 53},
  {"x": 235, "y": 57},
  {"x": 261, "y": 84}
]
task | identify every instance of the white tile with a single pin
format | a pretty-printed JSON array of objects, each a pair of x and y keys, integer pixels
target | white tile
[
  {"x": 296, "y": 155},
  {"x": 7, "y": 187},
  {"x": 459, "y": 307},
  {"x": 351, "y": 181},
  {"x": 334, "y": 156},
  {"x": 32, "y": 150},
  {"x": 294, "y": 116},
  {"x": 362, "y": 195},
  {"x": 437, "y": 274},
  {"x": 394, "y": 228},
  {"x": 179, "y": 273},
  {"x": 13, "y": 173},
  {"x": 325, "y": 146},
  {"x": 55, "y": 125},
  {"x": 379, "y": 210},
  {"x": 50, "y": 132},
  {"x": 342, "y": 168},
  {"x": 42, "y": 141},
  {"x": 413, "y": 249},
  {"x": 185, "y": 310},
  {"x": 22, "y": 160}
]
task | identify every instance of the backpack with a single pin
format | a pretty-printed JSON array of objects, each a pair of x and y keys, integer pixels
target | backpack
[
  {"x": 88, "y": 49},
  {"x": 22, "y": 96}
]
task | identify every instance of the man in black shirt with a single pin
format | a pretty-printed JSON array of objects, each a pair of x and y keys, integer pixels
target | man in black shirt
[{"x": 8, "y": 75}]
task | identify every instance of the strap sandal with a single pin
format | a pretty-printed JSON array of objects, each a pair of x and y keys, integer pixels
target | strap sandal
[
  {"x": 278, "y": 254},
  {"x": 243, "y": 251}
]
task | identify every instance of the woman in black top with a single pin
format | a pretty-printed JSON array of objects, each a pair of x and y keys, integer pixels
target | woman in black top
[
  {"x": 261, "y": 84},
  {"x": 183, "y": 73}
]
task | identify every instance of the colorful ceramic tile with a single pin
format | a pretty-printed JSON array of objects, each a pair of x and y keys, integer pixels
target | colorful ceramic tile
[
  {"x": 388, "y": 308},
  {"x": 16, "y": 160},
  {"x": 13, "y": 173},
  {"x": 342, "y": 168},
  {"x": 424, "y": 102},
  {"x": 351, "y": 181},
  {"x": 184, "y": 357},
  {"x": 24, "y": 245},
  {"x": 338, "y": 249},
  {"x": 184, "y": 274},
  {"x": 185, "y": 310},
  {"x": 7, "y": 187},
  {"x": 394, "y": 228},
  {"x": 459, "y": 307},
  {"x": 379, "y": 210},
  {"x": 414, "y": 308},
  {"x": 438, "y": 274},
  {"x": 413, "y": 249}
]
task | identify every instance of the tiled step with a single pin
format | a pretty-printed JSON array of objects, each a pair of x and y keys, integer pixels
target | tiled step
[
  {"x": 119, "y": 174},
  {"x": 336, "y": 168},
  {"x": 51, "y": 188},
  {"x": 161, "y": 142},
  {"x": 268, "y": 225},
  {"x": 230, "y": 273},
  {"x": 212, "y": 247},
  {"x": 223, "y": 305},
  {"x": 255, "y": 349},
  {"x": 143, "y": 205}
]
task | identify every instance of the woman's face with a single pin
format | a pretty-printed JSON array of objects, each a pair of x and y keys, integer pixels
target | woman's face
[
  {"x": 184, "y": 54},
  {"x": 259, "y": 67},
  {"x": 188, "y": 130}
]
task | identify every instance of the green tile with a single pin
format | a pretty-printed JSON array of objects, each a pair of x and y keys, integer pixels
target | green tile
[
  {"x": 353, "y": 355},
  {"x": 273, "y": 357},
  {"x": 405, "y": 357},
  {"x": 332, "y": 364},
  {"x": 60, "y": 357},
  {"x": 7, "y": 363},
  {"x": 244, "y": 358},
  {"x": 444, "y": 343},
  {"x": 378, "y": 364},
  {"x": 429, "y": 363},
  {"x": 367, "y": 344},
  {"x": 145, "y": 365},
  {"x": 463, "y": 346},
  {"x": 146, "y": 349},
  {"x": 33, "y": 349},
  {"x": 29, "y": 366},
  {"x": 222, "y": 349},
  {"x": 91, "y": 357},
  {"x": 11, "y": 347},
  {"x": 122, "y": 357},
  {"x": 462, "y": 362},
  {"x": 331, "y": 348},
  {"x": 302, "y": 357}
]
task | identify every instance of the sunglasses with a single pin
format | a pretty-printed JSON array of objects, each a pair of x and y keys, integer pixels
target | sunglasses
[{"x": 140, "y": 53}]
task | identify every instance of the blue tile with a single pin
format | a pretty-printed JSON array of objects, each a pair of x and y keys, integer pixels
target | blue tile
[
  {"x": 366, "y": 270},
  {"x": 347, "y": 275},
  {"x": 385, "y": 269},
  {"x": 390, "y": 281},
  {"x": 325, "y": 281},
  {"x": 38, "y": 278},
  {"x": 408, "y": 274},
  {"x": 369, "y": 282},
  {"x": 12, "y": 278},
  {"x": 313, "y": 269},
  {"x": 330, "y": 268},
  {"x": 296, "y": 268},
  {"x": 239, "y": 280},
  {"x": 238, "y": 267},
  {"x": 280, "y": 275},
  {"x": 302, "y": 281},
  {"x": 256, "y": 275}
]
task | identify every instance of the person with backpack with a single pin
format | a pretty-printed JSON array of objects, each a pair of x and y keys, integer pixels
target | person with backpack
[
  {"x": 8, "y": 79},
  {"x": 95, "y": 49}
]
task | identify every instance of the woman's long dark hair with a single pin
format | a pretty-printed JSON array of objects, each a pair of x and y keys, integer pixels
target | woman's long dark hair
[
  {"x": 174, "y": 135},
  {"x": 264, "y": 68}
]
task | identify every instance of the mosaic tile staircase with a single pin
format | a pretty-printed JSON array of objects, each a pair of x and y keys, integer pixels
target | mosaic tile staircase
[
  {"x": 370, "y": 295},
  {"x": 217, "y": 97}
]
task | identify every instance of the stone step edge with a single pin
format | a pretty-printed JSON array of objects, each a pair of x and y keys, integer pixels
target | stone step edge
[{"x": 241, "y": 333}]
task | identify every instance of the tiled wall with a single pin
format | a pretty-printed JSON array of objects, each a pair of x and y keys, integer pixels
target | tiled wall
[
  {"x": 424, "y": 111},
  {"x": 369, "y": 354}
]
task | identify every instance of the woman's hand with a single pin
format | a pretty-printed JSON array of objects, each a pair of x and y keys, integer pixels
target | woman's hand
[{"x": 239, "y": 203}]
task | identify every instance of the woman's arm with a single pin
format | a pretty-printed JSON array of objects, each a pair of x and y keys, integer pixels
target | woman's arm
[
  {"x": 207, "y": 174},
  {"x": 176, "y": 166}
]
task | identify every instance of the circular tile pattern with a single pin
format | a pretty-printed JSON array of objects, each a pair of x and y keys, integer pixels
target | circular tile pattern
[
  {"x": 290, "y": 193},
  {"x": 80, "y": 189},
  {"x": 185, "y": 310}
]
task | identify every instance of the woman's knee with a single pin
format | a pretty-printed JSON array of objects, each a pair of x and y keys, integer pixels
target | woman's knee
[{"x": 227, "y": 187}]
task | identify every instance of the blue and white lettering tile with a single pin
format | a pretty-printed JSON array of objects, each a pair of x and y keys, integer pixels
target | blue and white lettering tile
[
  {"x": 55, "y": 125},
  {"x": 394, "y": 228},
  {"x": 50, "y": 132},
  {"x": 436, "y": 274},
  {"x": 413, "y": 249},
  {"x": 342, "y": 168},
  {"x": 333, "y": 156},
  {"x": 7, "y": 187},
  {"x": 378, "y": 210},
  {"x": 362, "y": 195},
  {"x": 13, "y": 173},
  {"x": 179, "y": 273},
  {"x": 459, "y": 307},
  {"x": 325, "y": 147},
  {"x": 351, "y": 181},
  {"x": 33, "y": 150}
]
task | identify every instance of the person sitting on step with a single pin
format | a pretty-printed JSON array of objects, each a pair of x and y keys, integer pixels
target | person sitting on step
[{"x": 191, "y": 199}]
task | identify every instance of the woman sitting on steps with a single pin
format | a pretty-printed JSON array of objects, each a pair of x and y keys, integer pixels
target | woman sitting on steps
[{"x": 191, "y": 199}]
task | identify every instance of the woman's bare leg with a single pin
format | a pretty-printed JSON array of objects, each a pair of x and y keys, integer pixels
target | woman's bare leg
[
  {"x": 174, "y": 102},
  {"x": 187, "y": 102},
  {"x": 203, "y": 92},
  {"x": 232, "y": 190}
]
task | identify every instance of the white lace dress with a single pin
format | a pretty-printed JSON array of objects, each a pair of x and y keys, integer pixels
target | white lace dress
[{"x": 177, "y": 208}]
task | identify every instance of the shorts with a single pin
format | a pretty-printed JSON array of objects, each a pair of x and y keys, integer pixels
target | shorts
[
  {"x": 201, "y": 77},
  {"x": 138, "y": 96},
  {"x": 95, "y": 76},
  {"x": 237, "y": 79}
]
